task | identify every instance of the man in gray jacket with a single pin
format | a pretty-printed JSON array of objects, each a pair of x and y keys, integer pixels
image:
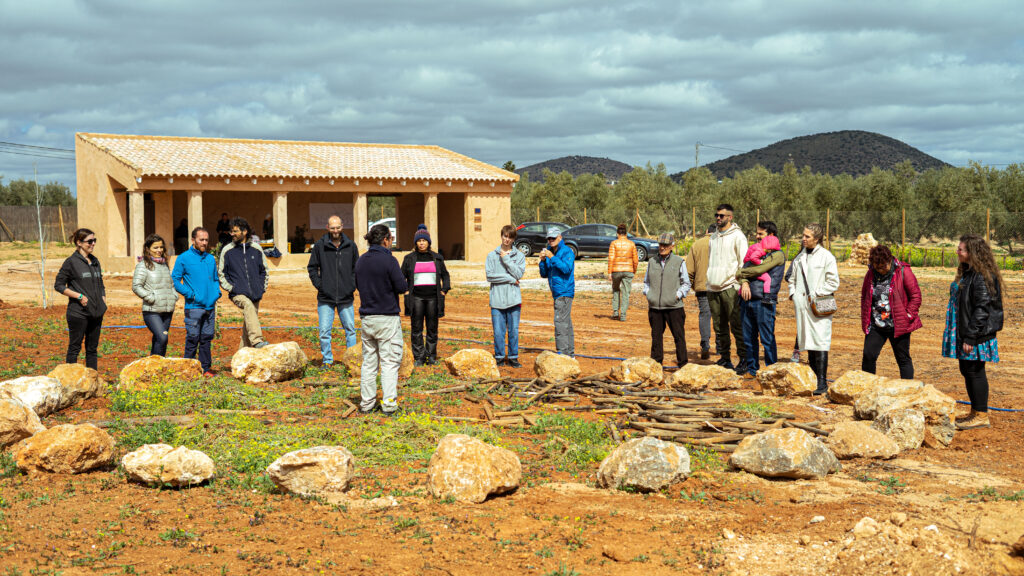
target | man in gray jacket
[
  {"x": 505, "y": 266},
  {"x": 666, "y": 284}
]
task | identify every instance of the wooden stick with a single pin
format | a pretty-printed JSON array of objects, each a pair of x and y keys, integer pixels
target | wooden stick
[
  {"x": 543, "y": 391},
  {"x": 805, "y": 427},
  {"x": 450, "y": 389},
  {"x": 349, "y": 412},
  {"x": 182, "y": 420},
  {"x": 487, "y": 411},
  {"x": 507, "y": 422}
]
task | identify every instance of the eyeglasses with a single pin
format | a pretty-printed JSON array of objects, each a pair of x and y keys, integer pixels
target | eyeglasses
[
  {"x": 721, "y": 215},
  {"x": 93, "y": 241}
]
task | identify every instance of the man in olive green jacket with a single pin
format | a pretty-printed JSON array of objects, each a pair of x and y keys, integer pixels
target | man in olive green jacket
[{"x": 697, "y": 267}]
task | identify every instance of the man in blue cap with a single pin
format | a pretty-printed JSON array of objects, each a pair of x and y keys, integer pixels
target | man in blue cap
[{"x": 557, "y": 264}]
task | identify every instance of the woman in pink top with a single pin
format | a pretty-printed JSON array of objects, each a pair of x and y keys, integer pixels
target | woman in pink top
[{"x": 428, "y": 280}]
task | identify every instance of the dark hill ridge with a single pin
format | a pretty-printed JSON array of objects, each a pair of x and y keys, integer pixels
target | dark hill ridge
[
  {"x": 853, "y": 152},
  {"x": 577, "y": 165}
]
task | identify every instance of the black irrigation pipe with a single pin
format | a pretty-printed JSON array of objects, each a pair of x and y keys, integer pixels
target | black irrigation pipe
[{"x": 485, "y": 343}]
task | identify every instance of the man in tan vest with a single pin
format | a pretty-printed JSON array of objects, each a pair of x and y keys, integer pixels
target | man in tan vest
[{"x": 665, "y": 285}]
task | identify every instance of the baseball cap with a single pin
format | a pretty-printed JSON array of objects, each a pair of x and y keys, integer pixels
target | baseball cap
[{"x": 552, "y": 233}]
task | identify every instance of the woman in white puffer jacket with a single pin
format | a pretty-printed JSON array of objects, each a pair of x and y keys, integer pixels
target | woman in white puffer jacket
[{"x": 152, "y": 282}]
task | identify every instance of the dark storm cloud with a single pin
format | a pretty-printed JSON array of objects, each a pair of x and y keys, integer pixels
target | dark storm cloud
[{"x": 519, "y": 80}]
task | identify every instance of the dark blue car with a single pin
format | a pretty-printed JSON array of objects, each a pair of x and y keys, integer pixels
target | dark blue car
[{"x": 594, "y": 239}]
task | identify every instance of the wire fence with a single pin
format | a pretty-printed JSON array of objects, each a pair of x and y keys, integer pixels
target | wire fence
[
  {"x": 918, "y": 237},
  {"x": 20, "y": 223}
]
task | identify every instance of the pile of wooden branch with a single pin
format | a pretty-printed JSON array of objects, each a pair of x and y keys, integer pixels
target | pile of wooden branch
[{"x": 678, "y": 416}]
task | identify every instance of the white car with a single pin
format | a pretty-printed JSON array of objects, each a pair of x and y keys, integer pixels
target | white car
[{"x": 390, "y": 223}]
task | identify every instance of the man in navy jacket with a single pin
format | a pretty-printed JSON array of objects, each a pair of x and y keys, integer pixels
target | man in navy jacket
[
  {"x": 558, "y": 264},
  {"x": 332, "y": 270},
  {"x": 243, "y": 275},
  {"x": 379, "y": 280}
]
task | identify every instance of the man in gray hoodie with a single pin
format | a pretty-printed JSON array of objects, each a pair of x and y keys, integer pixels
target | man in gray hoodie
[
  {"x": 505, "y": 266},
  {"x": 725, "y": 258}
]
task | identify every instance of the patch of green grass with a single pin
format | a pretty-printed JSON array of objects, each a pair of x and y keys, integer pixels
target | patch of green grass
[
  {"x": 579, "y": 442},
  {"x": 186, "y": 397},
  {"x": 756, "y": 409},
  {"x": 705, "y": 458},
  {"x": 178, "y": 536},
  {"x": 22, "y": 368},
  {"x": 887, "y": 486},
  {"x": 407, "y": 438},
  {"x": 8, "y": 468},
  {"x": 563, "y": 570},
  {"x": 989, "y": 493},
  {"x": 132, "y": 436}
]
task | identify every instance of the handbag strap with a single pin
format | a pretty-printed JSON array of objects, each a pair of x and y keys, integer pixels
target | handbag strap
[{"x": 807, "y": 286}]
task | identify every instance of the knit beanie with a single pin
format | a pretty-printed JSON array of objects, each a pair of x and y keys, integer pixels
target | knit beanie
[{"x": 422, "y": 234}]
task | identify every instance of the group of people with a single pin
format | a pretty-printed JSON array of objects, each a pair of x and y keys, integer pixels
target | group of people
[{"x": 736, "y": 287}]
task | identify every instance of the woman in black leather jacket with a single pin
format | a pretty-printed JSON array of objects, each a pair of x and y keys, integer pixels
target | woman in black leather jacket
[{"x": 974, "y": 315}]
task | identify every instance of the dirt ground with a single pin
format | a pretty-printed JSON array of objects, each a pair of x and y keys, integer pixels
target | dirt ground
[{"x": 963, "y": 504}]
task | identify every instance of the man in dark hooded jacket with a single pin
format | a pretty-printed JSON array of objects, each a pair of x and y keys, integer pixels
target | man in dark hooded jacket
[
  {"x": 332, "y": 269},
  {"x": 242, "y": 270}
]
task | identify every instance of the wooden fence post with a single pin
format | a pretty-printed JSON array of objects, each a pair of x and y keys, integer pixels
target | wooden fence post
[
  {"x": 828, "y": 218},
  {"x": 60, "y": 215},
  {"x": 988, "y": 220},
  {"x": 694, "y": 223},
  {"x": 538, "y": 213},
  {"x": 942, "y": 262},
  {"x": 903, "y": 235},
  {"x": 585, "y": 215}
]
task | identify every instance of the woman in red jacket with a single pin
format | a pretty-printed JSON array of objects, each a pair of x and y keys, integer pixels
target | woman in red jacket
[{"x": 889, "y": 303}]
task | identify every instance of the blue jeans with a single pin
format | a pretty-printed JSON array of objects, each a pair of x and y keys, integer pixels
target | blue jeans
[
  {"x": 325, "y": 316},
  {"x": 758, "y": 321},
  {"x": 158, "y": 323},
  {"x": 506, "y": 322},
  {"x": 198, "y": 335}
]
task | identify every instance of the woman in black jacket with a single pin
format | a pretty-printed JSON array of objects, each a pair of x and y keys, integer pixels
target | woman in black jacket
[
  {"x": 428, "y": 280},
  {"x": 974, "y": 315},
  {"x": 81, "y": 280}
]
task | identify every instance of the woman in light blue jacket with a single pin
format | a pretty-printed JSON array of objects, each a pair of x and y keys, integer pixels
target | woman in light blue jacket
[
  {"x": 152, "y": 282},
  {"x": 505, "y": 266}
]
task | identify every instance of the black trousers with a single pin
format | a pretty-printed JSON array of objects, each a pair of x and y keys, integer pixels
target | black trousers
[
  {"x": 873, "y": 343},
  {"x": 424, "y": 309},
  {"x": 675, "y": 318},
  {"x": 83, "y": 328},
  {"x": 976, "y": 381}
]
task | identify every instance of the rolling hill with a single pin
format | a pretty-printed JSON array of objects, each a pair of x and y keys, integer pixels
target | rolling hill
[{"x": 576, "y": 165}]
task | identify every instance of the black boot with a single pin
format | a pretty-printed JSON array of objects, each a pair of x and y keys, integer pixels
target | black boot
[{"x": 820, "y": 365}]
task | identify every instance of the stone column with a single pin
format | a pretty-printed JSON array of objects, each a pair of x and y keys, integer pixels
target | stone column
[
  {"x": 195, "y": 214},
  {"x": 430, "y": 215},
  {"x": 163, "y": 213},
  {"x": 359, "y": 221},
  {"x": 280, "y": 213},
  {"x": 136, "y": 224}
]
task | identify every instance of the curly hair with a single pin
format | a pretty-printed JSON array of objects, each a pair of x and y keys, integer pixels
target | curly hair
[
  {"x": 981, "y": 260},
  {"x": 879, "y": 255}
]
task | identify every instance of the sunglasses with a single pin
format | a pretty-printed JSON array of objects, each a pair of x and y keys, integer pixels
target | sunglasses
[
  {"x": 721, "y": 215},
  {"x": 93, "y": 241}
]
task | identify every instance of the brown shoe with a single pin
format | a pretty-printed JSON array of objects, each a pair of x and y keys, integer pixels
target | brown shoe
[
  {"x": 980, "y": 420},
  {"x": 705, "y": 353},
  {"x": 965, "y": 417}
]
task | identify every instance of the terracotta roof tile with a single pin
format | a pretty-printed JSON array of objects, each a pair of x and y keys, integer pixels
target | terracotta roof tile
[{"x": 217, "y": 157}]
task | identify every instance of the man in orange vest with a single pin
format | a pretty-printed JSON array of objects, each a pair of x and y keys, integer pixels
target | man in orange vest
[{"x": 622, "y": 264}]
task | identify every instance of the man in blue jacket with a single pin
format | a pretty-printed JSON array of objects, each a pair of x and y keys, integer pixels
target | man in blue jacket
[
  {"x": 379, "y": 281},
  {"x": 557, "y": 264},
  {"x": 195, "y": 278},
  {"x": 242, "y": 270}
]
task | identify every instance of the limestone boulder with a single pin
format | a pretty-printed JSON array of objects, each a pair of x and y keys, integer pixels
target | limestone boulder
[
  {"x": 785, "y": 453},
  {"x": 79, "y": 383},
  {"x": 40, "y": 393},
  {"x": 860, "y": 440},
  {"x": 938, "y": 408},
  {"x": 860, "y": 251},
  {"x": 142, "y": 373},
  {"x": 852, "y": 385},
  {"x": 353, "y": 360},
  {"x": 320, "y": 470},
  {"x": 697, "y": 377},
  {"x": 272, "y": 363},
  {"x": 787, "y": 379},
  {"x": 644, "y": 464},
  {"x": 17, "y": 421},
  {"x": 472, "y": 364},
  {"x": 65, "y": 449},
  {"x": 642, "y": 369},
  {"x": 904, "y": 425},
  {"x": 471, "y": 470},
  {"x": 556, "y": 367},
  {"x": 163, "y": 465}
]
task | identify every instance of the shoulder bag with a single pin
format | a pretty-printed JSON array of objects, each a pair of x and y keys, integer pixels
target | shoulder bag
[{"x": 822, "y": 306}]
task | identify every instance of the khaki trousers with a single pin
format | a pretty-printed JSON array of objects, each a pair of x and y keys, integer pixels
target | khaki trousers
[{"x": 252, "y": 334}]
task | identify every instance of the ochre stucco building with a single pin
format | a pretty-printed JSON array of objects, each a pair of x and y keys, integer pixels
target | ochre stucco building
[{"x": 132, "y": 186}]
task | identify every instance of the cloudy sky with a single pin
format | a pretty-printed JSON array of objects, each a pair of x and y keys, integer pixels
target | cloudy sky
[{"x": 518, "y": 80}]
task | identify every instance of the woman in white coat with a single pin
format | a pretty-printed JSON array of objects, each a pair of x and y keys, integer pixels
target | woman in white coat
[{"x": 814, "y": 267}]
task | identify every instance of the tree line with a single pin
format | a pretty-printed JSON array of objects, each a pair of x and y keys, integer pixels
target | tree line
[
  {"x": 942, "y": 203},
  {"x": 23, "y": 193}
]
